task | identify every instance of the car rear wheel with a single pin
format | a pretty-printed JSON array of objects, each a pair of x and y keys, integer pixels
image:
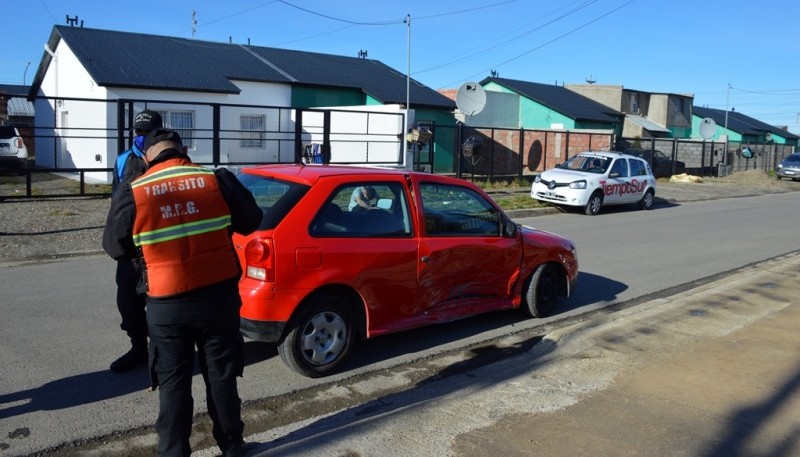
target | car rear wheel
[
  {"x": 594, "y": 204},
  {"x": 647, "y": 200},
  {"x": 320, "y": 338},
  {"x": 542, "y": 291}
]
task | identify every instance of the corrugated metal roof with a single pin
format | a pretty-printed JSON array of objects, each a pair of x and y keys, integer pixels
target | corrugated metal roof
[
  {"x": 136, "y": 60},
  {"x": 741, "y": 123},
  {"x": 645, "y": 123},
  {"x": 561, "y": 99},
  {"x": 20, "y": 107}
]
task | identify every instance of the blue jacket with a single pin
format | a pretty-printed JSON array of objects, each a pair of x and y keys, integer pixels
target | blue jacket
[{"x": 130, "y": 165}]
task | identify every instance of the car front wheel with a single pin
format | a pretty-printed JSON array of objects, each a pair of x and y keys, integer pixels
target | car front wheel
[
  {"x": 594, "y": 204},
  {"x": 542, "y": 291},
  {"x": 320, "y": 338}
]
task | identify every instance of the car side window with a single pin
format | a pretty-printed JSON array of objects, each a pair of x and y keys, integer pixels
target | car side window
[
  {"x": 620, "y": 166},
  {"x": 389, "y": 217},
  {"x": 638, "y": 168},
  {"x": 457, "y": 211}
]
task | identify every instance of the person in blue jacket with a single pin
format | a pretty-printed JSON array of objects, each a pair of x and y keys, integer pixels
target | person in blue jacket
[{"x": 130, "y": 165}]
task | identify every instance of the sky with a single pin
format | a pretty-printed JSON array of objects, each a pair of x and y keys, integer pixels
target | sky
[{"x": 743, "y": 56}]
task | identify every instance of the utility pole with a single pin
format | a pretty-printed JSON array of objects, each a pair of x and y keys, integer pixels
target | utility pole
[{"x": 727, "y": 104}]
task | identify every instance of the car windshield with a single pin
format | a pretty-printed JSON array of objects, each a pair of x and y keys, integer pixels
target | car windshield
[
  {"x": 792, "y": 158},
  {"x": 275, "y": 197},
  {"x": 587, "y": 163}
]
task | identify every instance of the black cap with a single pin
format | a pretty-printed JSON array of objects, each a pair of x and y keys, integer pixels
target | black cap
[
  {"x": 158, "y": 135},
  {"x": 148, "y": 120}
]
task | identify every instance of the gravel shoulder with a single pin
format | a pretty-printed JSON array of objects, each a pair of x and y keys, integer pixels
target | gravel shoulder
[{"x": 47, "y": 229}]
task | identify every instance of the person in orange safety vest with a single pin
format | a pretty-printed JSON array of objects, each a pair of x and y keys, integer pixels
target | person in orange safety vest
[{"x": 177, "y": 218}]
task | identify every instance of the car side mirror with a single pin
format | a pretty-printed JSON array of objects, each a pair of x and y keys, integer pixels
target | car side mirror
[
  {"x": 384, "y": 203},
  {"x": 510, "y": 228}
]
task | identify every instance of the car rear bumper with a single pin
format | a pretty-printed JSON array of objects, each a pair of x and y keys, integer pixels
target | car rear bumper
[
  {"x": 9, "y": 160},
  {"x": 264, "y": 331}
]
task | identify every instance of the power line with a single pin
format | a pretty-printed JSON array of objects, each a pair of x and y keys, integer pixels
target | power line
[
  {"x": 461, "y": 57},
  {"x": 586, "y": 24},
  {"x": 346, "y": 21}
]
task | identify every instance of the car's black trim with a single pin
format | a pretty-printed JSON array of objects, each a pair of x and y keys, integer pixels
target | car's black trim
[{"x": 265, "y": 331}]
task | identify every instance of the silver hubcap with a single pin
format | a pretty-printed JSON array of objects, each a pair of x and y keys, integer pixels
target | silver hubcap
[{"x": 323, "y": 338}]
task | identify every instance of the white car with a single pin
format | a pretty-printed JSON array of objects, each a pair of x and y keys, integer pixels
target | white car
[
  {"x": 12, "y": 149},
  {"x": 591, "y": 180}
]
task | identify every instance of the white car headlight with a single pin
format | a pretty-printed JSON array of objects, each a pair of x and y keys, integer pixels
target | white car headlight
[
  {"x": 537, "y": 179},
  {"x": 578, "y": 184}
]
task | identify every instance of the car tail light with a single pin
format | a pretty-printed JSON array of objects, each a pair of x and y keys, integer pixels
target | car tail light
[
  {"x": 19, "y": 143},
  {"x": 260, "y": 260}
]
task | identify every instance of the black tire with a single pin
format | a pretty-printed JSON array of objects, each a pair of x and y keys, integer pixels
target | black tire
[
  {"x": 647, "y": 199},
  {"x": 320, "y": 337},
  {"x": 542, "y": 291},
  {"x": 594, "y": 204}
]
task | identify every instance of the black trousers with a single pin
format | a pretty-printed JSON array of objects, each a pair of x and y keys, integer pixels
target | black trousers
[
  {"x": 131, "y": 303},
  {"x": 220, "y": 355}
]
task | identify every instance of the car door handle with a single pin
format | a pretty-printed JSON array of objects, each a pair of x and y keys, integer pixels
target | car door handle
[{"x": 424, "y": 259}]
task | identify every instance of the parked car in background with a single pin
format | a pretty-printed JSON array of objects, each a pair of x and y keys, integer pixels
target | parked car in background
[
  {"x": 591, "y": 180},
  {"x": 318, "y": 276},
  {"x": 662, "y": 165},
  {"x": 789, "y": 167},
  {"x": 13, "y": 153}
]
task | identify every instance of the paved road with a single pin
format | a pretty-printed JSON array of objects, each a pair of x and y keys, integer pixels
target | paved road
[{"x": 59, "y": 335}]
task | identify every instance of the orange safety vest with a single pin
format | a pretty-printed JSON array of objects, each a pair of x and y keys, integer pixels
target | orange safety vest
[{"x": 182, "y": 228}]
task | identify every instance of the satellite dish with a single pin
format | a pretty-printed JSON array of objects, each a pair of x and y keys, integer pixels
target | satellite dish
[
  {"x": 707, "y": 128},
  {"x": 470, "y": 98}
]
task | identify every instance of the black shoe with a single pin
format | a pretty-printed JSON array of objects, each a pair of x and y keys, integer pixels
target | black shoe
[
  {"x": 236, "y": 450},
  {"x": 129, "y": 360}
]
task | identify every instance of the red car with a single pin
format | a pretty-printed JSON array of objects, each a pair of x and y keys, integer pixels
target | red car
[{"x": 324, "y": 271}]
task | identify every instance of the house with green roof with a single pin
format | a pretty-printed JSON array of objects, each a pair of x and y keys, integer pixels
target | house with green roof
[
  {"x": 740, "y": 128},
  {"x": 548, "y": 106}
]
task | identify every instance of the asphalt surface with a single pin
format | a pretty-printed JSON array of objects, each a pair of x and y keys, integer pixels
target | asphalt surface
[
  {"x": 711, "y": 371},
  {"x": 714, "y": 371}
]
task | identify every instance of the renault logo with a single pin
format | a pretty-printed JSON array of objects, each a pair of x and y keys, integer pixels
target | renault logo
[{"x": 551, "y": 185}]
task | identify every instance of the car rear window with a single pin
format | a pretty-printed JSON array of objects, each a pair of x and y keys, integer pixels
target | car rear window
[
  {"x": 274, "y": 196},
  {"x": 7, "y": 132}
]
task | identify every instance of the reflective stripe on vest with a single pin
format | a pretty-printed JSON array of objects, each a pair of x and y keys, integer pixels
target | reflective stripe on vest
[{"x": 182, "y": 230}]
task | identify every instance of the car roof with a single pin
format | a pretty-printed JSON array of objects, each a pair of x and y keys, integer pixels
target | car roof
[
  {"x": 609, "y": 154},
  {"x": 310, "y": 174}
]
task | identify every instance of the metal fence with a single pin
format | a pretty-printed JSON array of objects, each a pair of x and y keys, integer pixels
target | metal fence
[
  {"x": 486, "y": 153},
  {"x": 714, "y": 158},
  {"x": 77, "y": 140}
]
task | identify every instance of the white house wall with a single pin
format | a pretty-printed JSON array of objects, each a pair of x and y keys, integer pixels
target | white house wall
[
  {"x": 83, "y": 133},
  {"x": 230, "y": 136},
  {"x": 71, "y": 133}
]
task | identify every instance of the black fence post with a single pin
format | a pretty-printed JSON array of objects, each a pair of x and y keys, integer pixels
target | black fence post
[
  {"x": 521, "y": 153},
  {"x": 215, "y": 140},
  {"x": 459, "y": 138},
  {"x": 120, "y": 126},
  {"x": 326, "y": 137},
  {"x": 298, "y": 136}
]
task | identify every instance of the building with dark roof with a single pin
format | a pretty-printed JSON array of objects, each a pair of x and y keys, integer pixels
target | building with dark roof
[
  {"x": 740, "y": 127},
  {"x": 547, "y": 106},
  {"x": 185, "y": 79}
]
